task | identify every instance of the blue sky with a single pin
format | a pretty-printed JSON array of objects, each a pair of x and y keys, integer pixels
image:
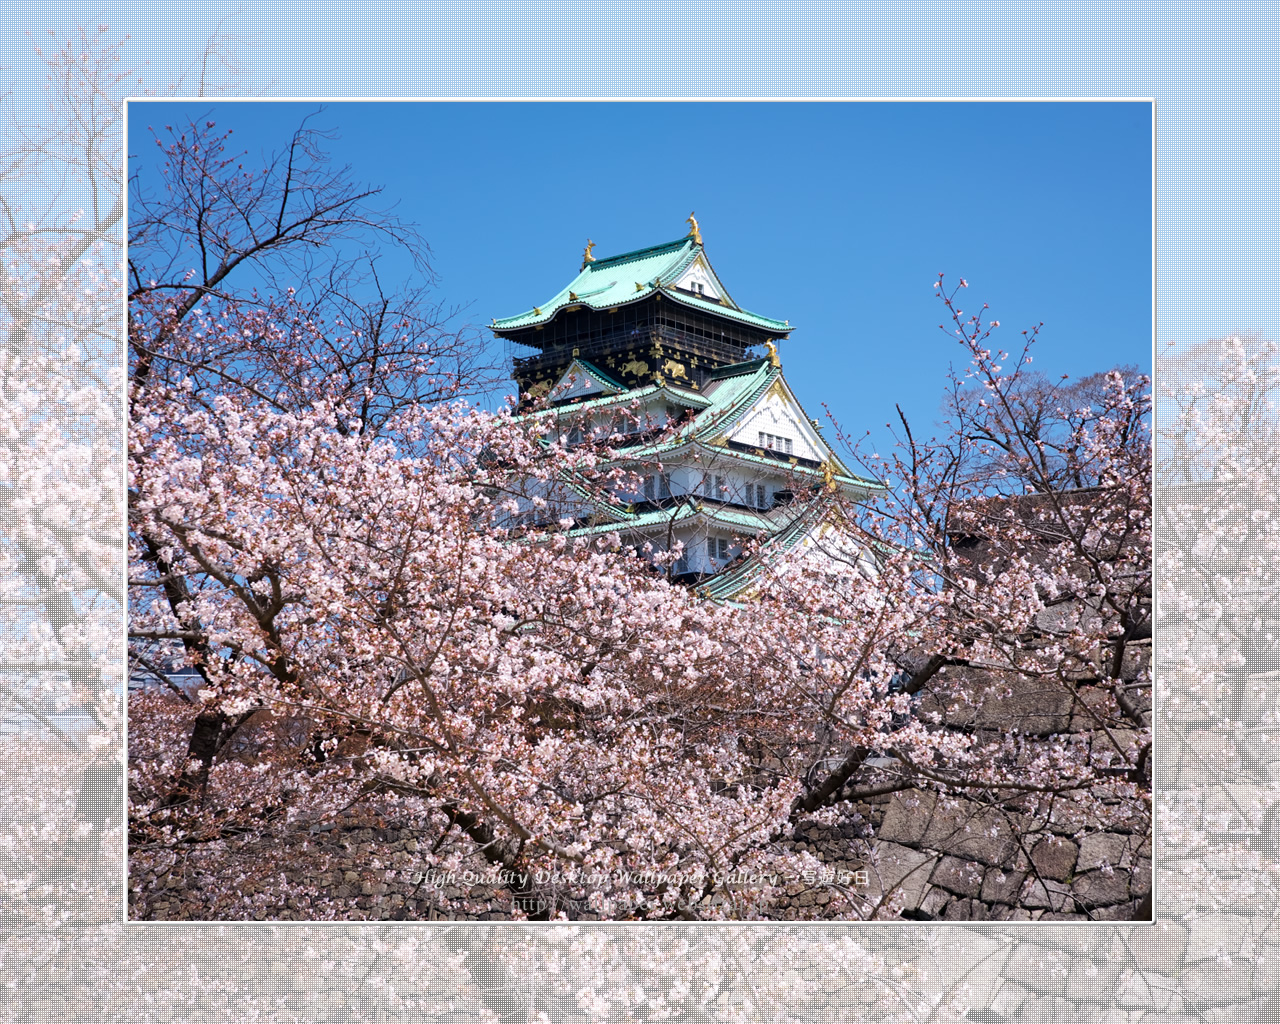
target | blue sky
[{"x": 836, "y": 216}]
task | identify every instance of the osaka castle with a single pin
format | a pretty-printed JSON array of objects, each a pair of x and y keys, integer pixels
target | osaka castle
[{"x": 648, "y": 352}]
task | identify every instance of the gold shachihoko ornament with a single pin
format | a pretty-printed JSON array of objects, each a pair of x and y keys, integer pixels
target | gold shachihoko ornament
[{"x": 694, "y": 233}]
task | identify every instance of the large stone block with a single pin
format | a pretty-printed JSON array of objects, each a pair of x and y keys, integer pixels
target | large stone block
[
  {"x": 1043, "y": 971},
  {"x": 1149, "y": 991},
  {"x": 1095, "y": 889},
  {"x": 1137, "y": 658},
  {"x": 1216, "y": 984},
  {"x": 894, "y": 868},
  {"x": 1140, "y": 878},
  {"x": 962, "y": 877},
  {"x": 1105, "y": 848},
  {"x": 1069, "y": 818},
  {"x": 1215, "y": 935},
  {"x": 1055, "y": 857},
  {"x": 984, "y": 699},
  {"x": 1047, "y": 895},
  {"x": 958, "y": 827},
  {"x": 1159, "y": 947},
  {"x": 1260, "y": 698},
  {"x": 1001, "y": 886},
  {"x": 1092, "y": 982},
  {"x": 935, "y": 901},
  {"x": 1008, "y": 999},
  {"x": 967, "y": 910}
]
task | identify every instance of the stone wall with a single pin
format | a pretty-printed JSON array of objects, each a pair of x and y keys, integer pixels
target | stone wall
[
  {"x": 952, "y": 859},
  {"x": 921, "y": 857},
  {"x": 933, "y": 858}
]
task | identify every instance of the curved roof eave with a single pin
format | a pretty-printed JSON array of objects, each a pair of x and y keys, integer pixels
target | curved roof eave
[
  {"x": 845, "y": 479},
  {"x": 688, "y": 512},
  {"x": 845, "y": 474},
  {"x": 780, "y": 328},
  {"x": 736, "y": 580},
  {"x": 546, "y": 314},
  {"x": 662, "y": 265}
]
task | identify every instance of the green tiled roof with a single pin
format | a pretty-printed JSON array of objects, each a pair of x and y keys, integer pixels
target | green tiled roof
[
  {"x": 688, "y": 399},
  {"x": 738, "y": 389},
  {"x": 596, "y": 374},
  {"x": 735, "y": 520},
  {"x": 677, "y": 395},
  {"x": 735, "y": 579},
  {"x": 658, "y": 517},
  {"x": 630, "y": 277}
]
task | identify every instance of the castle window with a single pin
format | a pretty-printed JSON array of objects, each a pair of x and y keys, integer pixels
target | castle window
[
  {"x": 714, "y": 487},
  {"x": 718, "y": 549},
  {"x": 658, "y": 486},
  {"x": 775, "y": 442}
]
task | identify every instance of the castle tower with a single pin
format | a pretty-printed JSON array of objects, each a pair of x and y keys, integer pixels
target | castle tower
[{"x": 650, "y": 346}]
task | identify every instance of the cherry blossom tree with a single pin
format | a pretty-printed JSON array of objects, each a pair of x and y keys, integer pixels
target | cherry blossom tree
[
  {"x": 1219, "y": 434},
  {"x": 1220, "y": 613},
  {"x": 61, "y": 493},
  {"x": 1028, "y": 624},
  {"x": 1220, "y": 438},
  {"x": 228, "y": 296},
  {"x": 545, "y": 701},
  {"x": 562, "y": 722},
  {"x": 60, "y": 595},
  {"x": 286, "y": 246},
  {"x": 1044, "y": 424}
]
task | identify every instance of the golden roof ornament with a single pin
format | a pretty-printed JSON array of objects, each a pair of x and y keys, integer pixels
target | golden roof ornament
[
  {"x": 586, "y": 254},
  {"x": 828, "y": 476},
  {"x": 694, "y": 233},
  {"x": 773, "y": 353}
]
